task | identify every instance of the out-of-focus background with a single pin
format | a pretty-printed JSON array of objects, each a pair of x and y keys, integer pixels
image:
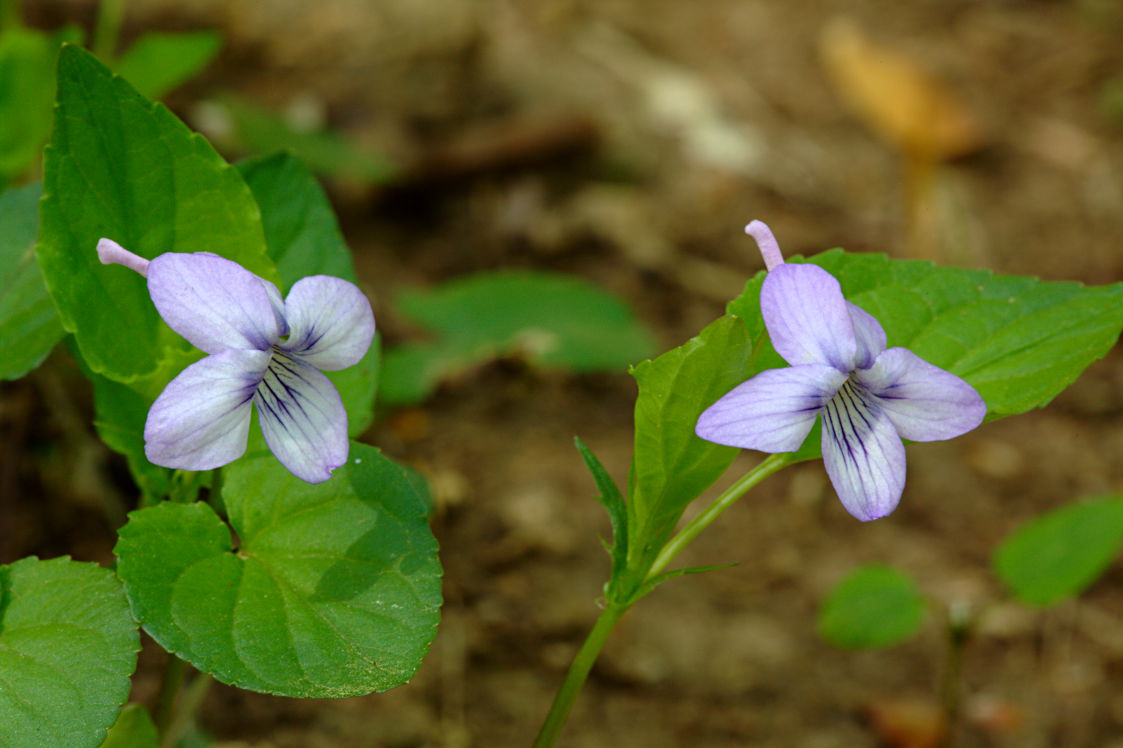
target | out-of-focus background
[{"x": 628, "y": 142}]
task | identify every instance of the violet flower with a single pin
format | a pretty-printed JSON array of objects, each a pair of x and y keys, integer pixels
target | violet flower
[
  {"x": 262, "y": 350},
  {"x": 870, "y": 397}
]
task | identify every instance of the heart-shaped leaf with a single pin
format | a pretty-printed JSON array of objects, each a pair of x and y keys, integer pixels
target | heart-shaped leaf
[
  {"x": 68, "y": 645},
  {"x": 333, "y": 589}
]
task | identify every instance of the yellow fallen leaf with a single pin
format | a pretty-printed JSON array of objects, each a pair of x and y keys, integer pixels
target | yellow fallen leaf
[{"x": 905, "y": 105}]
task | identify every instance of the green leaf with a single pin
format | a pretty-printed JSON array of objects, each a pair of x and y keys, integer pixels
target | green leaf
[
  {"x": 358, "y": 386},
  {"x": 325, "y": 151},
  {"x": 1061, "y": 553},
  {"x": 68, "y": 645},
  {"x": 617, "y": 510},
  {"x": 29, "y": 325},
  {"x": 134, "y": 729},
  {"x": 27, "y": 78},
  {"x": 411, "y": 372},
  {"x": 671, "y": 466},
  {"x": 303, "y": 239},
  {"x": 875, "y": 606},
  {"x": 333, "y": 590},
  {"x": 301, "y": 232},
  {"x": 666, "y": 576},
  {"x": 121, "y": 167},
  {"x": 1019, "y": 341},
  {"x": 552, "y": 320},
  {"x": 159, "y": 62},
  {"x": 120, "y": 415}
]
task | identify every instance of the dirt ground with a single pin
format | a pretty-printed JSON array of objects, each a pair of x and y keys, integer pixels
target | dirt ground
[{"x": 628, "y": 143}]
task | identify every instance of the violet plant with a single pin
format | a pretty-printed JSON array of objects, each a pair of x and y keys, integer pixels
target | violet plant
[
  {"x": 289, "y": 559},
  {"x": 878, "y": 350},
  {"x": 200, "y": 298},
  {"x": 283, "y": 558}
]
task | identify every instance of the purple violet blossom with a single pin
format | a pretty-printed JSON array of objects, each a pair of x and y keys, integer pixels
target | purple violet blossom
[
  {"x": 870, "y": 397},
  {"x": 263, "y": 351}
]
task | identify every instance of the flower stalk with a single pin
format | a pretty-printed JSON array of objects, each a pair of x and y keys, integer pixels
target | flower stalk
[
  {"x": 583, "y": 662},
  {"x": 727, "y": 498},
  {"x": 578, "y": 673}
]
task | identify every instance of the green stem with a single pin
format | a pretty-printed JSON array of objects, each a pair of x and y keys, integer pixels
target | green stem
[
  {"x": 578, "y": 672},
  {"x": 170, "y": 686},
  {"x": 192, "y": 697},
  {"x": 675, "y": 545},
  {"x": 107, "y": 28},
  {"x": 959, "y": 631}
]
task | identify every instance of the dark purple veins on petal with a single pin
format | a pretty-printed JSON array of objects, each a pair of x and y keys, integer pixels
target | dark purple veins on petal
[
  {"x": 310, "y": 338},
  {"x": 848, "y": 413},
  {"x": 280, "y": 392},
  {"x": 276, "y": 394}
]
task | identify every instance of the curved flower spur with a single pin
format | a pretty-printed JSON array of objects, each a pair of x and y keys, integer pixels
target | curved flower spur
[
  {"x": 262, "y": 350},
  {"x": 870, "y": 397}
]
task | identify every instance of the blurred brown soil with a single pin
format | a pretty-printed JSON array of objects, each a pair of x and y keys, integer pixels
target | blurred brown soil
[{"x": 656, "y": 130}]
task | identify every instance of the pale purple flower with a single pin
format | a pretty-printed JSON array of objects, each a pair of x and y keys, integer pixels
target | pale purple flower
[
  {"x": 869, "y": 397},
  {"x": 263, "y": 351}
]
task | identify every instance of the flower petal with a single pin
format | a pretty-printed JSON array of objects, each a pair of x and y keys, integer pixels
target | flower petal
[
  {"x": 864, "y": 457},
  {"x": 773, "y": 411},
  {"x": 330, "y": 322},
  {"x": 807, "y": 318},
  {"x": 302, "y": 418},
  {"x": 924, "y": 402},
  {"x": 214, "y": 303},
  {"x": 201, "y": 419},
  {"x": 868, "y": 333}
]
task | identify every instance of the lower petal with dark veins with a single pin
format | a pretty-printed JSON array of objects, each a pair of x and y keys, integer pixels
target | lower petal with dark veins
[
  {"x": 862, "y": 453},
  {"x": 302, "y": 418}
]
